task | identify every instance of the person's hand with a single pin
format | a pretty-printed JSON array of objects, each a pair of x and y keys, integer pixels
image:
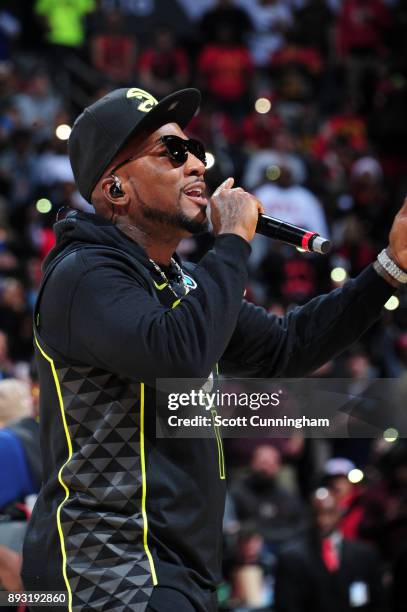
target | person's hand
[
  {"x": 397, "y": 249},
  {"x": 234, "y": 211},
  {"x": 10, "y": 567}
]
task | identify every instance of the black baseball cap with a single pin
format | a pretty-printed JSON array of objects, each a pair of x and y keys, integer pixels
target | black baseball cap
[{"x": 104, "y": 127}]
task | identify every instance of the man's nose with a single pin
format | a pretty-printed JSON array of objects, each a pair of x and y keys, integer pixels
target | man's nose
[{"x": 194, "y": 166}]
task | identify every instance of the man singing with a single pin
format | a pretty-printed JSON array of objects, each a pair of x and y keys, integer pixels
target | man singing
[{"x": 126, "y": 521}]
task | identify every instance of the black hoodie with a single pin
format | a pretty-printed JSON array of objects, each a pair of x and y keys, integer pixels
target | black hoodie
[{"x": 121, "y": 510}]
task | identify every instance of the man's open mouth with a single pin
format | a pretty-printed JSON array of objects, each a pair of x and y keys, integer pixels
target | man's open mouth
[{"x": 197, "y": 195}]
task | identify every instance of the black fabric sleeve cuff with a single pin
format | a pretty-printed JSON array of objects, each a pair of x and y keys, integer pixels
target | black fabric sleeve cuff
[
  {"x": 233, "y": 243},
  {"x": 374, "y": 286}
]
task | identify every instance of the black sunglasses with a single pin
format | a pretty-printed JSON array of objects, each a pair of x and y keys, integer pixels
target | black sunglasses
[{"x": 177, "y": 150}]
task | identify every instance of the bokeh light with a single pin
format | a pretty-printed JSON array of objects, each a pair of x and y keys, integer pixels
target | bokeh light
[
  {"x": 210, "y": 160},
  {"x": 392, "y": 303},
  {"x": 321, "y": 493},
  {"x": 391, "y": 434},
  {"x": 355, "y": 476},
  {"x": 43, "y": 205},
  {"x": 338, "y": 275},
  {"x": 262, "y": 105},
  {"x": 63, "y": 131},
  {"x": 273, "y": 173}
]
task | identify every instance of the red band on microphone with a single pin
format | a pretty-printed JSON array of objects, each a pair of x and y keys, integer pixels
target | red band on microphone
[{"x": 306, "y": 238}]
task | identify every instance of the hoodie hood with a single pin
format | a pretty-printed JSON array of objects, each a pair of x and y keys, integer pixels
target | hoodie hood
[{"x": 79, "y": 227}]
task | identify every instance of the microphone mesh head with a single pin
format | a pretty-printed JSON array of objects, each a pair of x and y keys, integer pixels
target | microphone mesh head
[{"x": 320, "y": 245}]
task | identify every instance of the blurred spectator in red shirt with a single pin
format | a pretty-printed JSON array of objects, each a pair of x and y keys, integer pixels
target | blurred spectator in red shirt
[
  {"x": 214, "y": 128},
  {"x": 113, "y": 51},
  {"x": 347, "y": 495},
  {"x": 355, "y": 251},
  {"x": 164, "y": 66},
  {"x": 259, "y": 128},
  {"x": 293, "y": 54},
  {"x": 327, "y": 571},
  {"x": 361, "y": 30},
  {"x": 225, "y": 68},
  {"x": 221, "y": 136},
  {"x": 290, "y": 276},
  {"x": 296, "y": 70},
  {"x": 347, "y": 124},
  {"x": 366, "y": 207},
  {"x": 361, "y": 26},
  {"x": 369, "y": 196}
]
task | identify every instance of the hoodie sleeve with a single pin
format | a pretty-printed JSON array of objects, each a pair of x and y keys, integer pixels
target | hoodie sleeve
[
  {"x": 266, "y": 345},
  {"x": 115, "y": 322}
]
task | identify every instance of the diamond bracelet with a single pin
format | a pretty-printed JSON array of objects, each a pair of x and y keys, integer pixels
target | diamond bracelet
[{"x": 391, "y": 267}]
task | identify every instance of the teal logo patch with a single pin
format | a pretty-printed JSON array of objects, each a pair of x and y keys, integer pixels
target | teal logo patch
[{"x": 189, "y": 282}]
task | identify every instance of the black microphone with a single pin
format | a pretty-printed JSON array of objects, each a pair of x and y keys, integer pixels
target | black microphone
[{"x": 296, "y": 236}]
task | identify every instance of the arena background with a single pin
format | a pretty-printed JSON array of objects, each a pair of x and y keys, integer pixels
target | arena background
[{"x": 304, "y": 103}]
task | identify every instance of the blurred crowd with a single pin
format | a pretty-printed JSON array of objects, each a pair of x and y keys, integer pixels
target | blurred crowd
[{"x": 304, "y": 104}]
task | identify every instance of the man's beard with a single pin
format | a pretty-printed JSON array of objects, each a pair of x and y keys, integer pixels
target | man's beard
[{"x": 176, "y": 219}]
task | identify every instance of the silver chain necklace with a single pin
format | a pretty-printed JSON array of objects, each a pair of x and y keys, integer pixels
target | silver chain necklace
[{"x": 166, "y": 279}]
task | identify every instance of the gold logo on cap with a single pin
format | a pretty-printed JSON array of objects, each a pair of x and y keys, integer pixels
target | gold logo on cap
[{"x": 147, "y": 101}]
